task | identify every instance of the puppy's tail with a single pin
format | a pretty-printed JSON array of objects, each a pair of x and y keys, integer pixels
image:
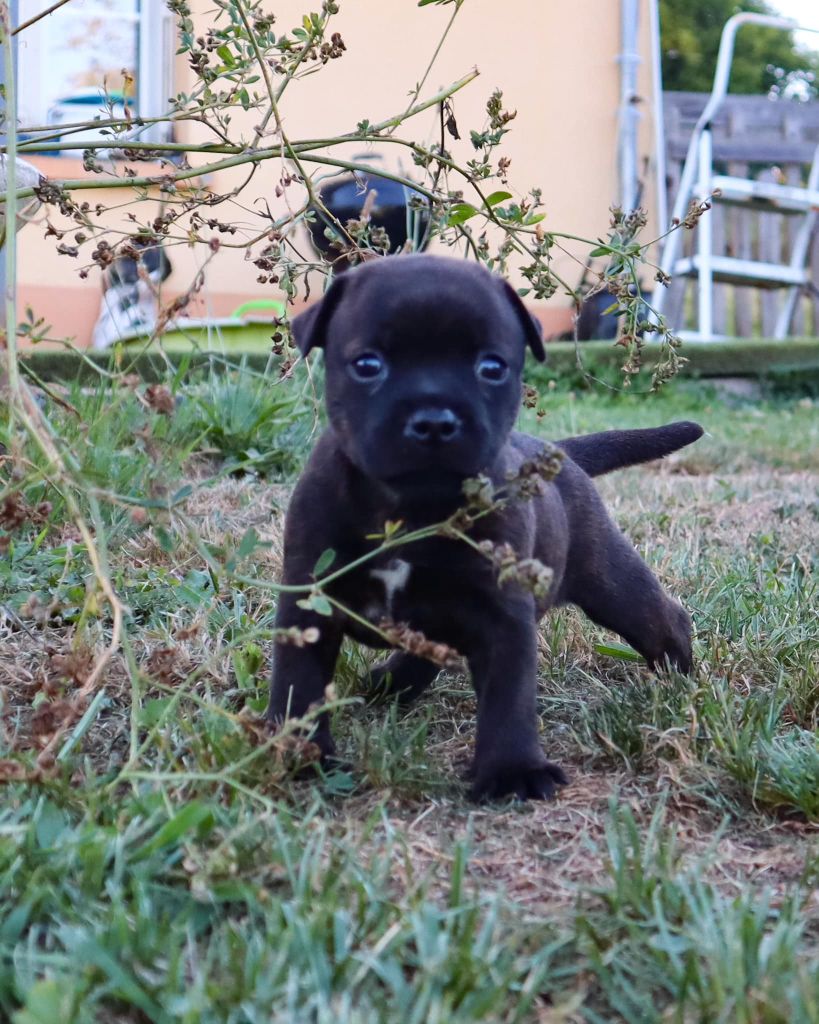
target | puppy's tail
[{"x": 601, "y": 453}]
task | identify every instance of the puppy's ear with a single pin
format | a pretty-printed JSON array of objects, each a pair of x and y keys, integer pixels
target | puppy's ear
[
  {"x": 530, "y": 324},
  {"x": 309, "y": 328}
]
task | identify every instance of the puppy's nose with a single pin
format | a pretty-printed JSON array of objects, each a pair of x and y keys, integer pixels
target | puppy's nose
[{"x": 430, "y": 426}]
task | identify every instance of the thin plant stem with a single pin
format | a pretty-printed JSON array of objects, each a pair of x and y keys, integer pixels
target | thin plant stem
[
  {"x": 417, "y": 90},
  {"x": 36, "y": 17},
  {"x": 238, "y": 159},
  {"x": 23, "y": 407}
]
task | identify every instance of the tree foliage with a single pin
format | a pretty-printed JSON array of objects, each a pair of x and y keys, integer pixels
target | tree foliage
[{"x": 763, "y": 59}]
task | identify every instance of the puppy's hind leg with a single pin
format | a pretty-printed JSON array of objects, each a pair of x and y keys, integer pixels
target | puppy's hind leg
[
  {"x": 617, "y": 590},
  {"x": 404, "y": 676}
]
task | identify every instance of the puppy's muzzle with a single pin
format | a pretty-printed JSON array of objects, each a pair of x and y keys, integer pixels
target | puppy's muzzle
[{"x": 432, "y": 426}]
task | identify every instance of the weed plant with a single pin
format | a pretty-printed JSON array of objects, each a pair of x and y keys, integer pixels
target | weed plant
[{"x": 169, "y": 867}]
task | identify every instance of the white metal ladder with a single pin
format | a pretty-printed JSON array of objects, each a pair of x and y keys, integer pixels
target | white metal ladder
[{"x": 699, "y": 182}]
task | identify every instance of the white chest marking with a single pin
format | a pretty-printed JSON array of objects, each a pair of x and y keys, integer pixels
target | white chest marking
[{"x": 394, "y": 577}]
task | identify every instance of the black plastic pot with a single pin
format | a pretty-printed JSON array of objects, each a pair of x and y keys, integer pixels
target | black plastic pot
[{"x": 399, "y": 210}]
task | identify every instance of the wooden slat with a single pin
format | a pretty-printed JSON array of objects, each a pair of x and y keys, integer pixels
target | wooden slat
[
  {"x": 740, "y": 243},
  {"x": 749, "y": 132},
  {"x": 687, "y": 107},
  {"x": 750, "y": 150},
  {"x": 684, "y": 294},
  {"x": 770, "y": 251},
  {"x": 720, "y": 297},
  {"x": 814, "y": 299},
  {"x": 794, "y": 176},
  {"x": 676, "y": 290}
]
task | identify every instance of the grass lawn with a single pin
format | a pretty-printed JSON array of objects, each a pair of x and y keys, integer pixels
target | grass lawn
[{"x": 166, "y": 867}]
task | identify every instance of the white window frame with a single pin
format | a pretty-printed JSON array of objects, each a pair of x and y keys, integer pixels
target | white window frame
[
  {"x": 155, "y": 60},
  {"x": 155, "y": 52}
]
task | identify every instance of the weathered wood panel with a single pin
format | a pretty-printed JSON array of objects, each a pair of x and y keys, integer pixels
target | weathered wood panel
[{"x": 752, "y": 137}]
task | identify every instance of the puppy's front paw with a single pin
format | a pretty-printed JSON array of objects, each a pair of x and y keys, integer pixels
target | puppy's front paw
[
  {"x": 401, "y": 676},
  {"x": 527, "y": 781},
  {"x": 305, "y": 756},
  {"x": 312, "y": 743}
]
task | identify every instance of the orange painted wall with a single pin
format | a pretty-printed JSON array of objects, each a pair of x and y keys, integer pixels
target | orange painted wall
[{"x": 556, "y": 63}]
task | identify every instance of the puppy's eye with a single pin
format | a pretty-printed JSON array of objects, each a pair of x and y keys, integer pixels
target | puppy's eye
[
  {"x": 492, "y": 369},
  {"x": 366, "y": 367}
]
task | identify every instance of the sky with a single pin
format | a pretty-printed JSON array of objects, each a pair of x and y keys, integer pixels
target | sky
[{"x": 804, "y": 11}]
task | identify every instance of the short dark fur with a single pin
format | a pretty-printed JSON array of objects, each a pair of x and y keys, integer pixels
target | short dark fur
[{"x": 432, "y": 320}]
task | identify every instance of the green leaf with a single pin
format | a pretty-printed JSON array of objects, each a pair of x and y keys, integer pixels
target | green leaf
[
  {"x": 13, "y": 926},
  {"x": 316, "y": 603},
  {"x": 183, "y": 492},
  {"x": 325, "y": 560},
  {"x": 676, "y": 945},
  {"x": 165, "y": 539},
  {"x": 497, "y": 197},
  {"x": 247, "y": 662},
  {"x": 48, "y": 1002},
  {"x": 152, "y": 711},
  {"x": 248, "y": 544},
  {"x": 244, "y": 99},
  {"x": 234, "y": 891},
  {"x": 119, "y": 979},
  {"x": 339, "y": 782},
  {"x": 460, "y": 213},
  {"x": 189, "y": 819},
  {"x": 621, "y": 651},
  {"x": 50, "y": 823}
]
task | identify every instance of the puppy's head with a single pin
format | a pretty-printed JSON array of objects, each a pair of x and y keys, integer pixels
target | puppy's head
[{"x": 424, "y": 357}]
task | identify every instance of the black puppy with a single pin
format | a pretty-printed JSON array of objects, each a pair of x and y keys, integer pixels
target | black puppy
[{"x": 424, "y": 357}]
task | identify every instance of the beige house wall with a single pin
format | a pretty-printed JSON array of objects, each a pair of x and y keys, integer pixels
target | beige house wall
[{"x": 555, "y": 61}]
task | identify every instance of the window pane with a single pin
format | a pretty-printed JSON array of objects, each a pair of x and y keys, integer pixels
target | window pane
[
  {"x": 88, "y": 47},
  {"x": 71, "y": 56}
]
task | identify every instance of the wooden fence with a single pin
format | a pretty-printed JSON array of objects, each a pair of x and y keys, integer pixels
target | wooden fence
[{"x": 754, "y": 137}]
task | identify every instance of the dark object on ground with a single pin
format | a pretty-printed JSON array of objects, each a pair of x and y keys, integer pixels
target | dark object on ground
[
  {"x": 129, "y": 301},
  {"x": 125, "y": 269},
  {"x": 398, "y": 210},
  {"x": 423, "y": 365},
  {"x": 594, "y": 323}
]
